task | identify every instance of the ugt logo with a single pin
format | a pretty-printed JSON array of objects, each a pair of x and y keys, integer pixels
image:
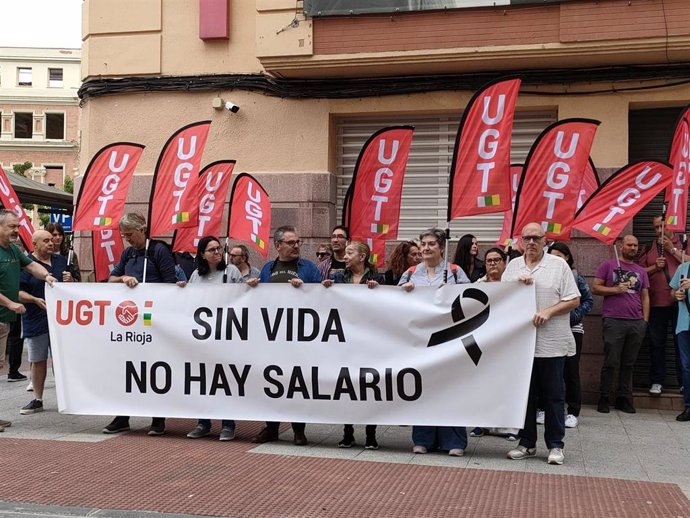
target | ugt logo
[
  {"x": 464, "y": 327},
  {"x": 86, "y": 312}
]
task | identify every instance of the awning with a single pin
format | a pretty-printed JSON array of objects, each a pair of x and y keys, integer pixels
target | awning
[{"x": 40, "y": 193}]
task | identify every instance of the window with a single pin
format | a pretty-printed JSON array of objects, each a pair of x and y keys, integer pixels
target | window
[
  {"x": 54, "y": 78},
  {"x": 55, "y": 126},
  {"x": 55, "y": 175},
  {"x": 23, "y": 125},
  {"x": 24, "y": 75},
  {"x": 425, "y": 190}
]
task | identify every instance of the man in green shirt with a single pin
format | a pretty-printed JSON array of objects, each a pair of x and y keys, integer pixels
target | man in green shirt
[{"x": 12, "y": 261}]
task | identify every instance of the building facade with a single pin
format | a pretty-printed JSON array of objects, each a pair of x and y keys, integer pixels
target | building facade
[{"x": 312, "y": 87}]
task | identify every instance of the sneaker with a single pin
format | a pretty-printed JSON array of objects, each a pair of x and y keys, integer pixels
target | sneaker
[
  {"x": 540, "y": 417},
  {"x": 419, "y": 449},
  {"x": 227, "y": 434},
  {"x": 34, "y": 406},
  {"x": 30, "y": 387},
  {"x": 522, "y": 452},
  {"x": 625, "y": 405},
  {"x": 117, "y": 425},
  {"x": 265, "y": 435},
  {"x": 157, "y": 426},
  {"x": 371, "y": 444},
  {"x": 655, "y": 390},
  {"x": 16, "y": 376},
  {"x": 300, "y": 439},
  {"x": 556, "y": 456},
  {"x": 5, "y": 424},
  {"x": 477, "y": 432},
  {"x": 346, "y": 442},
  {"x": 456, "y": 452},
  {"x": 571, "y": 421},
  {"x": 511, "y": 437},
  {"x": 603, "y": 405},
  {"x": 199, "y": 432},
  {"x": 684, "y": 416}
]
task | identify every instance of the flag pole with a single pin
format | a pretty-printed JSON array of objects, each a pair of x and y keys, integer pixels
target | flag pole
[
  {"x": 225, "y": 256},
  {"x": 146, "y": 258},
  {"x": 619, "y": 269},
  {"x": 445, "y": 254},
  {"x": 663, "y": 228}
]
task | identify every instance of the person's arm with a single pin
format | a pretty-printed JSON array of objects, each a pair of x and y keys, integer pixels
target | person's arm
[
  {"x": 561, "y": 308},
  {"x": 644, "y": 295},
  {"x": 27, "y": 298},
  {"x": 586, "y": 302},
  {"x": 599, "y": 288},
  {"x": 40, "y": 273}
]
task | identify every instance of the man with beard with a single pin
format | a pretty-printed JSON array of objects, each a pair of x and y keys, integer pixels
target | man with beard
[
  {"x": 625, "y": 289},
  {"x": 340, "y": 237},
  {"x": 557, "y": 295},
  {"x": 239, "y": 256}
]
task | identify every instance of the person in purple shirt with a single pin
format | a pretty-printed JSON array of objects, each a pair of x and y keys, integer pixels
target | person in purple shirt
[{"x": 625, "y": 289}]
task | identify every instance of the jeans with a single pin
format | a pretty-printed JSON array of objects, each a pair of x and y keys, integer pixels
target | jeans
[
  {"x": 571, "y": 377},
  {"x": 225, "y": 423},
  {"x": 547, "y": 382},
  {"x": 15, "y": 347},
  {"x": 440, "y": 437},
  {"x": 660, "y": 318},
  {"x": 622, "y": 341},
  {"x": 684, "y": 350}
]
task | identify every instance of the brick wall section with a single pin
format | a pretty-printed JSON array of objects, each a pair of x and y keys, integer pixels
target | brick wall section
[{"x": 564, "y": 23}]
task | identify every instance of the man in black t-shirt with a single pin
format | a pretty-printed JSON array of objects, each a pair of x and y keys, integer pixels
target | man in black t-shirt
[{"x": 340, "y": 237}]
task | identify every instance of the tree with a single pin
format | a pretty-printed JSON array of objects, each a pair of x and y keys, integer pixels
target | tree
[
  {"x": 21, "y": 169},
  {"x": 68, "y": 186}
]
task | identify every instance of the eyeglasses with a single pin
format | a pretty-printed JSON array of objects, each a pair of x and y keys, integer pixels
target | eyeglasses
[
  {"x": 322, "y": 254},
  {"x": 215, "y": 250},
  {"x": 339, "y": 236},
  {"x": 493, "y": 260},
  {"x": 236, "y": 255},
  {"x": 532, "y": 239},
  {"x": 293, "y": 242}
]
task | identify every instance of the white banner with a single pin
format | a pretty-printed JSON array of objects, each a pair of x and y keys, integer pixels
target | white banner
[{"x": 438, "y": 356}]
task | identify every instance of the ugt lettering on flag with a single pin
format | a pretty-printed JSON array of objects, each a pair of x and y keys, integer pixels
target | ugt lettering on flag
[{"x": 250, "y": 213}]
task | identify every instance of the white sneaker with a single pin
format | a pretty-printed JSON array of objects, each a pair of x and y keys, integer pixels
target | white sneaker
[
  {"x": 522, "y": 452},
  {"x": 556, "y": 456},
  {"x": 656, "y": 389},
  {"x": 540, "y": 417},
  {"x": 570, "y": 421},
  {"x": 30, "y": 387}
]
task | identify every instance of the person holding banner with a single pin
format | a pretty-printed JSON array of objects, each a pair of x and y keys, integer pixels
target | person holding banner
[
  {"x": 680, "y": 284},
  {"x": 291, "y": 268},
  {"x": 157, "y": 261},
  {"x": 431, "y": 272},
  {"x": 211, "y": 269},
  {"x": 340, "y": 236},
  {"x": 557, "y": 296},
  {"x": 466, "y": 257},
  {"x": 63, "y": 248},
  {"x": 358, "y": 270},
  {"x": 405, "y": 255},
  {"x": 625, "y": 288},
  {"x": 239, "y": 256},
  {"x": 35, "y": 319},
  {"x": 12, "y": 262}
]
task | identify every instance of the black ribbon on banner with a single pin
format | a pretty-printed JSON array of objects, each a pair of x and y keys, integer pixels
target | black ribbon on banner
[{"x": 464, "y": 327}]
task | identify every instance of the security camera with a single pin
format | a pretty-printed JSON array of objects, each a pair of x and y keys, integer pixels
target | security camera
[{"x": 231, "y": 107}]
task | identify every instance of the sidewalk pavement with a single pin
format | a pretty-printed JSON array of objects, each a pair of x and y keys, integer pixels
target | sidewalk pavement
[{"x": 62, "y": 465}]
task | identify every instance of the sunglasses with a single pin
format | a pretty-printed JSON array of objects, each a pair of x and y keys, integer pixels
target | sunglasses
[{"x": 322, "y": 254}]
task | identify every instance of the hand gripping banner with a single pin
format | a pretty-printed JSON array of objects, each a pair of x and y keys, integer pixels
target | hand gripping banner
[
  {"x": 376, "y": 189},
  {"x": 250, "y": 213},
  {"x": 676, "y": 196},
  {"x": 479, "y": 173},
  {"x": 10, "y": 201},
  {"x": 550, "y": 183},
  {"x": 515, "y": 174},
  {"x": 103, "y": 190},
  {"x": 107, "y": 248},
  {"x": 174, "y": 202},
  {"x": 212, "y": 187},
  {"x": 605, "y": 214}
]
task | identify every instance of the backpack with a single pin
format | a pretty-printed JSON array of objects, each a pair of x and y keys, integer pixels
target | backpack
[{"x": 453, "y": 268}]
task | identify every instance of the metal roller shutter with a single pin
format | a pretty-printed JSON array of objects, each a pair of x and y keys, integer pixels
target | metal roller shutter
[{"x": 425, "y": 191}]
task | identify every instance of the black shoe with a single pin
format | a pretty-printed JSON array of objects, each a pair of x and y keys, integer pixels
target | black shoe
[
  {"x": 34, "y": 406},
  {"x": 603, "y": 406},
  {"x": 16, "y": 376},
  {"x": 624, "y": 405},
  {"x": 117, "y": 425},
  {"x": 300, "y": 439},
  {"x": 265, "y": 435},
  {"x": 346, "y": 442},
  {"x": 371, "y": 444},
  {"x": 685, "y": 416},
  {"x": 157, "y": 426}
]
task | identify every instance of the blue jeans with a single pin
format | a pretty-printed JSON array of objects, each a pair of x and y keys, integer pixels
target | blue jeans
[
  {"x": 225, "y": 423},
  {"x": 546, "y": 382},
  {"x": 684, "y": 350},
  {"x": 440, "y": 437}
]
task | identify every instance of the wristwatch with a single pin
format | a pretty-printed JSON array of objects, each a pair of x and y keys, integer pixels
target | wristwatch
[{"x": 674, "y": 250}]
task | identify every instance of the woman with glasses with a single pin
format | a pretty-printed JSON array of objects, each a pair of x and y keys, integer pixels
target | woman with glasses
[
  {"x": 358, "y": 270},
  {"x": 211, "y": 270},
  {"x": 467, "y": 257},
  {"x": 406, "y": 254},
  {"x": 431, "y": 272}
]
